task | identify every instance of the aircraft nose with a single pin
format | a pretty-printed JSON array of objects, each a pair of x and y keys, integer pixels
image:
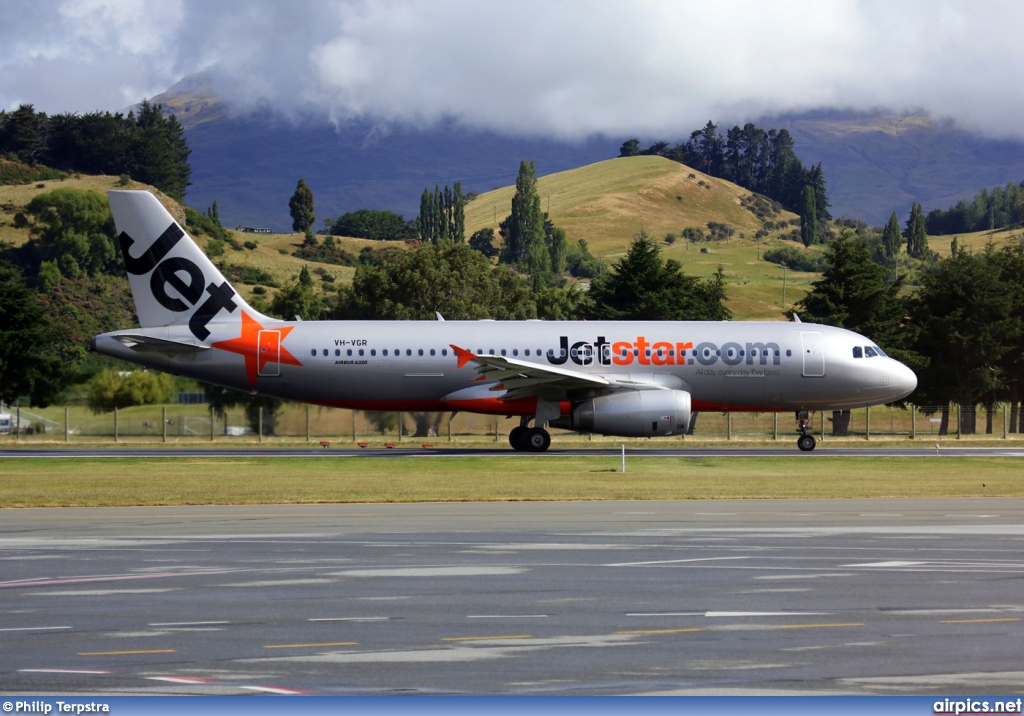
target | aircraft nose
[{"x": 907, "y": 378}]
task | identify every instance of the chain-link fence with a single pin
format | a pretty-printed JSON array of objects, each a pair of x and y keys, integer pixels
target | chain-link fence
[{"x": 301, "y": 423}]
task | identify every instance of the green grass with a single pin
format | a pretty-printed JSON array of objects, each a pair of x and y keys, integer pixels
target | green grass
[{"x": 127, "y": 482}]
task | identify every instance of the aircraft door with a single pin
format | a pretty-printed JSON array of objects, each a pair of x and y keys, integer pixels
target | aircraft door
[
  {"x": 269, "y": 343},
  {"x": 814, "y": 354}
]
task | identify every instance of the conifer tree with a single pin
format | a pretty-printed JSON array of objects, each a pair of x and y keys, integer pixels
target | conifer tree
[
  {"x": 301, "y": 207},
  {"x": 917, "y": 235},
  {"x": 808, "y": 216},
  {"x": 525, "y": 225},
  {"x": 892, "y": 239}
]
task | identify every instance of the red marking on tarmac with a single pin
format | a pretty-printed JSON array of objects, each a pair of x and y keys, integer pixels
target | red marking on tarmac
[{"x": 276, "y": 690}]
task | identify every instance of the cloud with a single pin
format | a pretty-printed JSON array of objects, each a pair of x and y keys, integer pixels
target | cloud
[{"x": 568, "y": 69}]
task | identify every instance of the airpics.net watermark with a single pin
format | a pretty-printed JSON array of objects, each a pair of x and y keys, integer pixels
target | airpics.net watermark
[
  {"x": 968, "y": 707},
  {"x": 63, "y": 707}
]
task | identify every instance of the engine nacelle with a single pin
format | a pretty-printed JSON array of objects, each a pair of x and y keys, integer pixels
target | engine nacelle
[{"x": 633, "y": 414}]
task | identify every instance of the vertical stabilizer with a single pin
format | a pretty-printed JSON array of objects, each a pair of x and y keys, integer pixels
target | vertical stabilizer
[{"x": 172, "y": 280}]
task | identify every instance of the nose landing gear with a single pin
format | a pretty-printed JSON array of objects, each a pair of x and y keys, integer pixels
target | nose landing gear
[
  {"x": 527, "y": 439},
  {"x": 806, "y": 441}
]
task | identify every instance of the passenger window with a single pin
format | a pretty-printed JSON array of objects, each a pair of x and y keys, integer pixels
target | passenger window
[
  {"x": 527, "y": 351},
  {"x": 444, "y": 351},
  {"x": 384, "y": 352},
  {"x": 337, "y": 351},
  {"x": 420, "y": 351},
  {"x": 431, "y": 351},
  {"x": 515, "y": 351},
  {"x": 869, "y": 352},
  {"x": 314, "y": 352},
  {"x": 789, "y": 354},
  {"x": 349, "y": 351},
  {"x": 503, "y": 351},
  {"x": 408, "y": 351},
  {"x": 325, "y": 351},
  {"x": 373, "y": 351},
  {"x": 491, "y": 351},
  {"x": 776, "y": 353},
  {"x": 360, "y": 351},
  {"x": 858, "y": 352}
]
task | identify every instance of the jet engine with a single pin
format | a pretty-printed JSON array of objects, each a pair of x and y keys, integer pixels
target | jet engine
[{"x": 634, "y": 414}]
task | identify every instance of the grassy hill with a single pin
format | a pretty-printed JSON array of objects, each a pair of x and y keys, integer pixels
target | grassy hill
[{"x": 604, "y": 203}]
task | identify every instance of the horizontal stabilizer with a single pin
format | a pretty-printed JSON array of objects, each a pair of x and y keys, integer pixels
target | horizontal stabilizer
[{"x": 148, "y": 344}]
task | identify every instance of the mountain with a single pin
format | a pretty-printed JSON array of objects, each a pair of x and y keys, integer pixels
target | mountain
[
  {"x": 251, "y": 164},
  {"x": 874, "y": 163}
]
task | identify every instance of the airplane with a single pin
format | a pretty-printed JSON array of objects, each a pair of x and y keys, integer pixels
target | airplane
[{"x": 622, "y": 378}]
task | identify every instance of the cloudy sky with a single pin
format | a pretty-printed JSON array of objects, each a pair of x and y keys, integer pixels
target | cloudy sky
[{"x": 566, "y": 68}]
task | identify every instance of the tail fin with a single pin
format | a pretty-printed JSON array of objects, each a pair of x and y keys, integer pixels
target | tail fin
[{"x": 172, "y": 280}]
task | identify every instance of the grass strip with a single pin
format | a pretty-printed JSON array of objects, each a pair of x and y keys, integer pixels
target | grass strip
[{"x": 175, "y": 481}]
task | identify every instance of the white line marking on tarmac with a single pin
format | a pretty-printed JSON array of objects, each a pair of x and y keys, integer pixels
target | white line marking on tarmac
[
  {"x": 673, "y": 561},
  {"x": 46, "y": 628},
  {"x": 714, "y": 615},
  {"x": 806, "y": 576},
  {"x": 181, "y": 679},
  {"x": 173, "y": 624},
  {"x": 506, "y": 616},
  {"x": 99, "y": 592},
  {"x": 893, "y": 563},
  {"x": 65, "y": 671},
  {"x": 350, "y": 619},
  {"x": 274, "y": 690},
  {"x": 430, "y": 572}
]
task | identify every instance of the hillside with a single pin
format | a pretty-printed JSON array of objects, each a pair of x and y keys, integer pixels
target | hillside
[{"x": 874, "y": 163}]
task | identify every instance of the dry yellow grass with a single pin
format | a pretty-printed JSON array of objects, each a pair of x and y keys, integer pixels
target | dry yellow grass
[{"x": 608, "y": 202}]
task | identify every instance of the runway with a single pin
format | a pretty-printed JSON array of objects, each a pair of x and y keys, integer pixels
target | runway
[
  {"x": 725, "y": 597},
  {"x": 503, "y": 450}
]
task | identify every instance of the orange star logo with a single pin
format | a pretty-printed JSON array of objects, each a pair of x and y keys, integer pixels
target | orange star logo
[{"x": 259, "y": 346}]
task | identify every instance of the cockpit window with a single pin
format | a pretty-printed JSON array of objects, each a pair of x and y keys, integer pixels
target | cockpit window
[
  {"x": 858, "y": 352},
  {"x": 869, "y": 352},
  {"x": 879, "y": 351}
]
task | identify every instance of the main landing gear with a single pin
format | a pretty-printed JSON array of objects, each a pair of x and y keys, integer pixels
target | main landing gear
[
  {"x": 806, "y": 441},
  {"x": 526, "y": 439}
]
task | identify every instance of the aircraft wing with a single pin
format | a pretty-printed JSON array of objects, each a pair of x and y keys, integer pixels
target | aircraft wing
[{"x": 523, "y": 379}]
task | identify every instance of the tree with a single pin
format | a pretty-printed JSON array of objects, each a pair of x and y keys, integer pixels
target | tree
[
  {"x": 808, "y": 217},
  {"x": 524, "y": 227},
  {"x": 630, "y": 148},
  {"x": 297, "y": 299},
  {"x": 73, "y": 229},
  {"x": 853, "y": 293},
  {"x": 111, "y": 389},
  {"x": 452, "y": 279},
  {"x": 917, "y": 235},
  {"x": 557, "y": 247},
  {"x": 483, "y": 241},
  {"x": 892, "y": 239},
  {"x": 964, "y": 311},
  {"x": 642, "y": 287},
  {"x": 301, "y": 207},
  {"x": 29, "y": 365}
]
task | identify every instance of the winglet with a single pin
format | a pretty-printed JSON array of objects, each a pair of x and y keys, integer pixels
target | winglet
[{"x": 463, "y": 355}]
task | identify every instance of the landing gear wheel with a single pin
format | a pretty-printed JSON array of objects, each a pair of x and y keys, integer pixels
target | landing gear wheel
[
  {"x": 537, "y": 440},
  {"x": 806, "y": 442},
  {"x": 517, "y": 437}
]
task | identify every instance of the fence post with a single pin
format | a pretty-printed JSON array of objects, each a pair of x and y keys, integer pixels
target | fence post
[
  {"x": 867, "y": 424},
  {"x": 775, "y": 426},
  {"x": 17, "y": 426},
  {"x": 959, "y": 417},
  {"x": 212, "y": 418},
  {"x": 115, "y": 424},
  {"x": 307, "y": 422},
  {"x": 913, "y": 421},
  {"x": 354, "y": 425},
  {"x": 66, "y": 426},
  {"x": 822, "y": 436},
  {"x": 1005, "y": 426},
  {"x": 495, "y": 429},
  {"x": 399, "y": 416},
  {"x": 163, "y": 423},
  {"x": 261, "y": 424},
  {"x": 728, "y": 425}
]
